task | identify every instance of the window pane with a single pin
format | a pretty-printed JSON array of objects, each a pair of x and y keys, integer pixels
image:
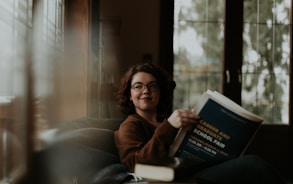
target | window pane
[
  {"x": 266, "y": 50},
  {"x": 47, "y": 62},
  {"x": 198, "y": 49},
  {"x": 15, "y": 24}
]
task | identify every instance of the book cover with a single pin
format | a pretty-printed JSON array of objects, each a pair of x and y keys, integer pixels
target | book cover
[{"x": 224, "y": 130}]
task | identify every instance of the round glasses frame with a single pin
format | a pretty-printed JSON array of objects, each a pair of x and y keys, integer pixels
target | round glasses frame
[{"x": 152, "y": 86}]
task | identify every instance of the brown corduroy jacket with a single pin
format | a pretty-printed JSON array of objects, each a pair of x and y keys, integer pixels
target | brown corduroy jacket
[{"x": 137, "y": 140}]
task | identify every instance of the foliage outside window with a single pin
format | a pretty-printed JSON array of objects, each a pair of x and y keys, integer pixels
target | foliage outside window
[
  {"x": 198, "y": 49},
  {"x": 266, "y": 51},
  {"x": 198, "y": 54}
]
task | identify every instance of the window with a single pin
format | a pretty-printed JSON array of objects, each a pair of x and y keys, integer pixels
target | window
[
  {"x": 23, "y": 45},
  {"x": 201, "y": 59},
  {"x": 48, "y": 48},
  {"x": 15, "y": 26}
]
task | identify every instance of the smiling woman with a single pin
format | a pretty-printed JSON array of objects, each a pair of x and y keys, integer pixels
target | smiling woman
[
  {"x": 157, "y": 77},
  {"x": 148, "y": 131}
]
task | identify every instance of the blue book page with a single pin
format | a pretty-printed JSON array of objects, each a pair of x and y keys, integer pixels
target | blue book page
[{"x": 220, "y": 134}]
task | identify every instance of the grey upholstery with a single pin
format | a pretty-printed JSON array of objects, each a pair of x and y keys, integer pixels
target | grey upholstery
[
  {"x": 77, "y": 154},
  {"x": 97, "y": 138}
]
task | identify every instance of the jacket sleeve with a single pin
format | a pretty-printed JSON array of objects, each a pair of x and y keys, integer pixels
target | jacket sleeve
[{"x": 136, "y": 142}]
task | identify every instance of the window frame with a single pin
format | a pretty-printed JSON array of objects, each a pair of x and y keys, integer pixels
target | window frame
[
  {"x": 232, "y": 44},
  {"x": 274, "y": 134}
]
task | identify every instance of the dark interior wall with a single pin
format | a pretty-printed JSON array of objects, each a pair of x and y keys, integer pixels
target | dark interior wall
[
  {"x": 166, "y": 35},
  {"x": 95, "y": 55},
  {"x": 124, "y": 35},
  {"x": 139, "y": 29}
]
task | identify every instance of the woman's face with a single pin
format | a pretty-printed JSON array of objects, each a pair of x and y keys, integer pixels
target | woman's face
[{"x": 144, "y": 92}]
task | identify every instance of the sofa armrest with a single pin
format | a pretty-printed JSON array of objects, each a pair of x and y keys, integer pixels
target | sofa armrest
[
  {"x": 96, "y": 138},
  {"x": 75, "y": 155},
  {"x": 87, "y": 122}
]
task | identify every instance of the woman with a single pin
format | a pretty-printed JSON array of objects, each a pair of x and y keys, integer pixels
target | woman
[{"x": 145, "y": 96}]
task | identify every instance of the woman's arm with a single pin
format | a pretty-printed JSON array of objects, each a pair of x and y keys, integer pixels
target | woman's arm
[{"x": 137, "y": 140}]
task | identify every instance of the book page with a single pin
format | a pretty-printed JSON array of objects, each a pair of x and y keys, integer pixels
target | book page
[{"x": 227, "y": 103}]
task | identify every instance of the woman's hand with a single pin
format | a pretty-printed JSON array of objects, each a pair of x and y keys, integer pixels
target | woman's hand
[{"x": 182, "y": 117}]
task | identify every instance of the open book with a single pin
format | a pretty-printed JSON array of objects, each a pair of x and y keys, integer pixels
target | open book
[{"x": 223, "y": 132}]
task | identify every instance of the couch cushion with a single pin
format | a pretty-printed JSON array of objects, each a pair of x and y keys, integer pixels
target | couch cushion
[
  {"x": 75, "y": 155},
  {"x": 97, "y": 138}
]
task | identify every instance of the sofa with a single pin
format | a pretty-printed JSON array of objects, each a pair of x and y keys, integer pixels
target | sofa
[{"x": 81, "y": 151}]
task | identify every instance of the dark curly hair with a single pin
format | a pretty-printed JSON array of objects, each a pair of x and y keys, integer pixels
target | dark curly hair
[{"x": 166, "y": 89}]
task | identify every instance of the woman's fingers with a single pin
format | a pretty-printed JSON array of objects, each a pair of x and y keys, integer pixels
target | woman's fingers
[{"x": 181, "y": 117}]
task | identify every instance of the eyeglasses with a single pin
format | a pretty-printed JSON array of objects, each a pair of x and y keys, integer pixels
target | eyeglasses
[{"x": 152, "y": 86}]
